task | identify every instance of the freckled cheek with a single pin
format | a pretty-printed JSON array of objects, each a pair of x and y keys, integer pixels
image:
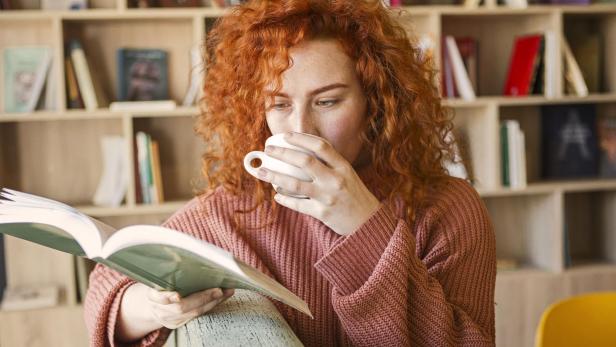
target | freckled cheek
[{"x": 344, "y": 135}]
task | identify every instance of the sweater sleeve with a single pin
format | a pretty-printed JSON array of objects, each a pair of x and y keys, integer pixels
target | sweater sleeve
[
  {"x": 102, "y": 306},
  {"x": 434, "y": 288}
]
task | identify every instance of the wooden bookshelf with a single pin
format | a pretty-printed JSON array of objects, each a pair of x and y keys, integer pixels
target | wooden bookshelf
[{"x": 57, "y": 152}]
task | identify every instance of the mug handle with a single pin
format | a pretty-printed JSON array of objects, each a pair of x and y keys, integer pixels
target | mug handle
[{"x": 249, "y": 158}]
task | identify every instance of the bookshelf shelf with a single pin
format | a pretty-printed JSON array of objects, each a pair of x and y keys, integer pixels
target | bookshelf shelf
[{"x": 57, "y": 152}]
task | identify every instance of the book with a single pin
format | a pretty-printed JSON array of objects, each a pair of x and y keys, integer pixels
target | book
[
  {"x": 25, "y": 72},
  {"x": 569, "y": 141},
  {"x": 73, "y": 96},
  {"x": 574, "y": 79},
  {"x": 156, "y": 174},
  {"x": 469, "y": 51},
  {"x": 196, "y": 76},
  {"x": 524, "y": 63},
  {"x": 159, "y": 257},
  {"x": 587, "y": 50},
  {"x": 142, "y": 74},
  {"x": 548, "y": 67},
  {"x": 606, "y": 129},
  {"x": 143, "y": 141},
  {"x": 90, "y": 89},
  {"x": 513, "y": 154},
  {"x": 113, "y": 184},
  {"x": 462, "y": 81},
  {"x": 27, "y": 298}
]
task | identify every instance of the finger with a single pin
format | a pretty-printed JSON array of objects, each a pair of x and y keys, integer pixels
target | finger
[
  {"x": 305, "y": 206},
  {"x": 286, "y": 182},
  {"x": 199, "y": 299},
  {"x": 163, "y": 297},
  {"x": 317, "y": 145},
  {"x": 309, "y": 163}
]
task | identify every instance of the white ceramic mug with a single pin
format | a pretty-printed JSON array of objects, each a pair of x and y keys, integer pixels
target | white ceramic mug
[{"x": 276, "y": 165}]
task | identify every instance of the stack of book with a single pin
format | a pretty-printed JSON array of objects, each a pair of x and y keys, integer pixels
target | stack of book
[
  {"x": 147, "y": 161},
  {"x": 513, "y": 154},
  {"x": 83, "y": 90}
]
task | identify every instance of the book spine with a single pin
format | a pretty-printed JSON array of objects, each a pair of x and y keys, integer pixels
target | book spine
[
  {"x": 522, "y": 158},
  {"x": 41, "y": 76},
  {"x": 514, "y": 165},
  {"x": 74, "y": 99},
  {"x": 504, "y": 154},
  {"x": 84, "y": 80},
  {"x": 142, "y": 155},
  {"x": 463, "y": 83},
  {"x": 158, "y": 182},
  {"x": 151, "y": 185}
]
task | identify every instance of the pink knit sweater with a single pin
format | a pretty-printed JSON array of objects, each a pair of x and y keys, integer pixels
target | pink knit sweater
[{"x": 387, "y": 284}]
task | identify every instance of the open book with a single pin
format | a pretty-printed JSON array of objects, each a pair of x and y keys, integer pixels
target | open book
[{"x": 156, "y": 256}]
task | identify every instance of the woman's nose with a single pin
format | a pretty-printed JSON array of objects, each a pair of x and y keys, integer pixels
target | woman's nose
[{"x": 303, "y": 122}]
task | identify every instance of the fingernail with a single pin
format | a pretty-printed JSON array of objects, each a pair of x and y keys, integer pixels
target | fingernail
[
  {"x": 228, "y": 292},
  {"x": 262, "y": 173},
  {"x": 175, "y": 298}
]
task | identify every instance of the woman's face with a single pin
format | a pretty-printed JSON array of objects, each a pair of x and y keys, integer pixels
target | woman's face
[{"x": 321, "y": 95}]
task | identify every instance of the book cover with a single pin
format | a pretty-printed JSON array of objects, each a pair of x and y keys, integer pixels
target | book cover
[
  {"x": 523, "y": 64},
  {"x": 159, "y": 257},
  {"x": 83, "y": 75},
  {"x": 142, "y": 74},
  {"x": 73, "y": 96},
  {"x": 607, "y": 146},
  {"x": 569, "y": 141},
  {"x": 462, "y": 81},
  {"x": 469, "y": 51},
  {"x": 25, "y": 71}
]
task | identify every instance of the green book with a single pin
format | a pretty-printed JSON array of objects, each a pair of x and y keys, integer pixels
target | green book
[
  {"x": 159, "y": 257},
  {"x": 25, "y": 71}
]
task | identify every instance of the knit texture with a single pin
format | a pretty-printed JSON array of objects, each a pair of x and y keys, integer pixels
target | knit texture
[{"x": 387, "y": 284}]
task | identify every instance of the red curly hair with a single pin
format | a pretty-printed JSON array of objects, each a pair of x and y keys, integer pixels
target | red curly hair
[{"x": 248, "y": 49}]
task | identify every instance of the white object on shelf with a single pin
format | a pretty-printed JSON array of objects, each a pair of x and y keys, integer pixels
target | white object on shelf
[
  {"x": 113, "y": 184},
  {"x": 550, "y": 55},
  {"x": 573, "y": 73},
  {"x": 153, "y": 105},
  {"x": 196, "y": 75},
  {"x": 463, "y": 82},
  {"x": 27, "y": 298}
]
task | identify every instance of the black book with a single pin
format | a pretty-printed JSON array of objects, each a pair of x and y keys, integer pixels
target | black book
[{"x": 569, "y": 141}]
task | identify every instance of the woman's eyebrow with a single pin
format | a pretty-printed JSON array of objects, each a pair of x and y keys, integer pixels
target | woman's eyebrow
[{"x": 320, "y": 89}]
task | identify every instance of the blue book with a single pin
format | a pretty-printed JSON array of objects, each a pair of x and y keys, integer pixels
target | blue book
[
  {"x": 142, "y": 74},
  {"x": 569, "y": 141}
]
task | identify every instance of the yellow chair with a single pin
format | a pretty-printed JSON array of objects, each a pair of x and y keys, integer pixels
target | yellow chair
[{"x": 580, "y": 321}]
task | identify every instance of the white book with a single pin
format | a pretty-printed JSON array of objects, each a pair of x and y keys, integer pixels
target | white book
[
  {"x": 84, "y": 79},
  {"x": 551, "y": 55},
  {"x": 113, "y": 183},
  {"x": 573, "y": 73},
  {"x": 159, "y": 257},
  {"x": 522, "y": 159},
  {"x": 463, "y": 82},
  {"x": 39, "y": 82},
  {"x": 516, "y": 3},
  {"x": 142, "y": 164},
  {"x": 196, "y": 77},
  {"x": 513, "y": 128},
  {"x": 145, "y": 106}
]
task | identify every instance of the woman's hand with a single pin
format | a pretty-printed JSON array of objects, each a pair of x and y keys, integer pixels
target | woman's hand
[
  {"x": 144, "y": 309},
  {"x": 337, "y": 196},
  {"x": 170, "y": 310}
]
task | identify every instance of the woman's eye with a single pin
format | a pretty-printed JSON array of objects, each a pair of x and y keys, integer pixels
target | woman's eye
[
  {"x": 280, "y": 106},
  {"x": 327, "y": 102}
]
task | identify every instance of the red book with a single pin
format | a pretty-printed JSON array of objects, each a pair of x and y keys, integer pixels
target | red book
[{"x": 524, "y": 61}]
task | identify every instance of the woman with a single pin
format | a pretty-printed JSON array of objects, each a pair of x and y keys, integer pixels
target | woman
[{"x": 388, "y": 250}]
